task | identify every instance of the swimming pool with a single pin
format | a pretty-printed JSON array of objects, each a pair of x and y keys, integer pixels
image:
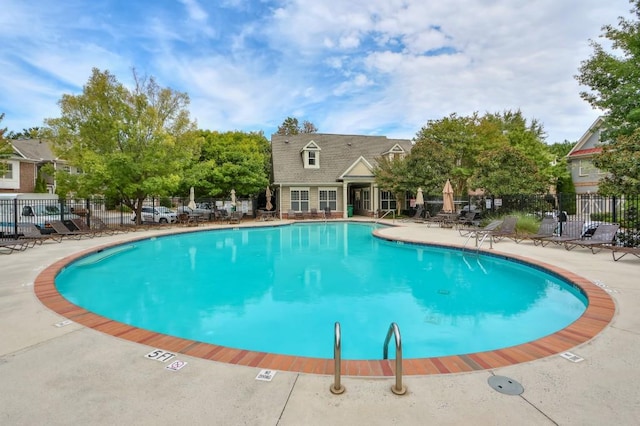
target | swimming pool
[{"x": 280, "y": 290}]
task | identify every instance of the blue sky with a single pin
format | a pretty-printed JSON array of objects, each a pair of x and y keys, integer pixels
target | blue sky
[{"x": 372, "y": 67}]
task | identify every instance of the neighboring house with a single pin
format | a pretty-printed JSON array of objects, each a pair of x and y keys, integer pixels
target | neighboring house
[
  {"x": 22, "y": 168},
  {"x": 584, "y": 174},
  {"x": 318, "y": 171}
]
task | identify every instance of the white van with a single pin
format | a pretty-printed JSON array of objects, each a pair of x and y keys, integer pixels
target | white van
[{"x": 38, "y": 209}]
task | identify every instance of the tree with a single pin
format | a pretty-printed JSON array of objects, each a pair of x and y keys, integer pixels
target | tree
[
  {"x": 5, "y": 148},
  {"x": 391, "y": 175},
  {"x": 428, "y": 166},
  {"x": 231, "y": 160},
  {"x": 30, "y": 133},
  {"x": 129, "y": 143},
  {"x": 290, "y": 126},
  {"x": 521, "y": 177},
  {"x": 613, "y": 78}
]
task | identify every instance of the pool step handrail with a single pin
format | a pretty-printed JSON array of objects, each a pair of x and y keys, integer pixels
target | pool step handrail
[
  {"x": 393, "y": 215},
  {"x": 337, "y": 388},
  {"x": 394, "y": 330}
]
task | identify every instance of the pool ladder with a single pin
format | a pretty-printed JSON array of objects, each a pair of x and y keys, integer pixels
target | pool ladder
[{"x": 398, "y": 389}]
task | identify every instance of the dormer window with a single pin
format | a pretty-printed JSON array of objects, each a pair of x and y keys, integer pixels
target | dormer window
[
  {"x": 395, "y": 153},
  {"x": 311, "y": 155}
]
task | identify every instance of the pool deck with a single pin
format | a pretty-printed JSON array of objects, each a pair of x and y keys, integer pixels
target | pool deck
[{"x": 73, "y": 374}]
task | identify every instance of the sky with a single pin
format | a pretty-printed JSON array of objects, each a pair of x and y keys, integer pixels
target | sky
[{"x": 366, "y": 67}]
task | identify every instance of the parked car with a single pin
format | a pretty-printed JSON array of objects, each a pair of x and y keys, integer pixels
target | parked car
[
  {"x": 157, "y": 215},
  {"x": 198, "y": 211}
]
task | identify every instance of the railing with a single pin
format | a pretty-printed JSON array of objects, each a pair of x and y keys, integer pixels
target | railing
[
  {"x": 337, "y": 388},
  {"x": 398, "y": 388},
  {"x": 393, "y": 215}
]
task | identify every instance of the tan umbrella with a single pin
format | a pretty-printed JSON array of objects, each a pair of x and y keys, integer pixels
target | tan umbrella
[
  {"x": 192, "y": 199},
  {"x": 447, "y": 198},
  {"x": 419, "y": 198},
  {"x": 233, "y": 197},
  {"x": 268, "y": 195}
]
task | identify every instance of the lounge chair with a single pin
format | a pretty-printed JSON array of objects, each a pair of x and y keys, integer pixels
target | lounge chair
[
  {"x": 327, "y": 212},
  {"x": 623, "y": 251},
  {"x": 417, "y": 216},
  {"x": 604, "y": 235},
  {"x": 571, "y": 230},
  {"x": 8, "y": 246},
  {"x": 546, "y": 229},
  {"x": 99, "y": 225},
  {"x": 314, "y": 214},
  {"x": 63, "y": 231},
  {"x": 82, "y": 226},
  {"x": 31, "y": 232},
  {"x": 507, "y": 230},
  {"x": 482, "y": 233},
  {"x": 235, "y": 217}
]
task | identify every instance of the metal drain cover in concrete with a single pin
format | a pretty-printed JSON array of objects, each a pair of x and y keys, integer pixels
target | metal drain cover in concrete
[{"x": 505, "y": 385}]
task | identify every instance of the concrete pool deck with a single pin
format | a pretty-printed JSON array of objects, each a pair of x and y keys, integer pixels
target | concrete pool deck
[{"x": 73, "y": 374}]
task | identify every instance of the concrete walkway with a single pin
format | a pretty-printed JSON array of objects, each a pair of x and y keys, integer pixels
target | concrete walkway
[{"x": 75, "y": 375}]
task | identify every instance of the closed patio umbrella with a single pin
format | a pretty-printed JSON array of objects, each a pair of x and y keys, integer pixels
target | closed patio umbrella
[
  {"x": 233, "y": 198},
  {"x": 192, "y": 199},
  {"x": 268, "y": 195},
  {"x": 447, "y": 198},
  {"x": 419, "y": 198}
]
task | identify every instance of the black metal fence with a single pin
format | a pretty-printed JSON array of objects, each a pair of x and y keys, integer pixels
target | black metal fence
[{"x": 593, "y": 209}]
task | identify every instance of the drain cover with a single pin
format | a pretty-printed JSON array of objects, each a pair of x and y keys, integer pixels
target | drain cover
[{"x": 505, "y": 385}]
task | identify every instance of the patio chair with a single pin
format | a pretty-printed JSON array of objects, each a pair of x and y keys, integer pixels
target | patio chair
[
  {"x": 313, "y": 214},
  {"x": 546, "y": 229},
  {"x": 99, "y": 225},
  {"x": 82, "y": 226},
  {"x": 8, "y": 246},
  {"x": 623, "y": 251},
  {"x": 63, "y": 231},
  {"x": 605, "y": 234},
  {"x": 570, "y": 230},
  {"x": 417, "y": 216},
  {"x": 235, "y": 217},
  {"x": 507, "y": 230},
  {"x": 482, "y": 233},
  {"x": 31, "y": 232}
]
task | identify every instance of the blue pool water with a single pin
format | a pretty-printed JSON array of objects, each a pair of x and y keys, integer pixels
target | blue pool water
[{"x": 281, "y": 289}]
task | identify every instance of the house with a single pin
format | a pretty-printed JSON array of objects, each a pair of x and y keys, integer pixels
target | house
[
  {"x": 26, "y": 162},
  {"x": 318, "y": 171},
  {"x": 584, "y": 174}
]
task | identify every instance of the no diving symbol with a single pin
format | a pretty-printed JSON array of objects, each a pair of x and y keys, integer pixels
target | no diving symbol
[{"x": 176, "y": 365}]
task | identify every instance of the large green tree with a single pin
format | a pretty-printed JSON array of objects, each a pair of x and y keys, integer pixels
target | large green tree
[
  {"x": 128, "y": 143},
  {"x": 456, "y": 147},
  {"x": 520, "y": 177},
  {"x": 612, "y": 75},
  {"x": 231, "y": 160}
]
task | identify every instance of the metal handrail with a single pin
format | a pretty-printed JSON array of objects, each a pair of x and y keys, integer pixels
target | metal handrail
[
  {"x": 393, "y": 215},
  {"x": 398, "y": 389},
  {"x": 337, "y": 388}
]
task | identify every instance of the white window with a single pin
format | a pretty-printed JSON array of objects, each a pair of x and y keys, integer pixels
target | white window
[
  {"x": 300, "y": 199},
  {"x": 366, "y": 199},
  {"x": 587, "y": 168},
  {"x": 311, "y": 155},
  {"x": 10, "y": 175},
  {"x": 387, "y": 200},
  {"x": 8, "y": 171},
  {"x": 328, "y": 198}
]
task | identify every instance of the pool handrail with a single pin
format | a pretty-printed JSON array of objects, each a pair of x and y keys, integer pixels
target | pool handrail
[
  {"x": 394, "y": 330},
  {"x": 337, "y": 388}
]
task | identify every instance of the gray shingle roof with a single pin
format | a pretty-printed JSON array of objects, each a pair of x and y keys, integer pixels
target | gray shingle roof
[
  {"x": 33, "y": 149},
  {"x": 337, "y": 154}
]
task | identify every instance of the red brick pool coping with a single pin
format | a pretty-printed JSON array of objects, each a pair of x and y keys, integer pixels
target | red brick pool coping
[{"x": 597, "y": 316}]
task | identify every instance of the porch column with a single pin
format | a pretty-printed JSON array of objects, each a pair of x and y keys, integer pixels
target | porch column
[{"x": 345, "y": 200}]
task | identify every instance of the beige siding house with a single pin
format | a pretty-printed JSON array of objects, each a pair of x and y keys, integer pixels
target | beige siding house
[
  {"x": 584, "y": 174},
  {"x": 316, "y": 171}
]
